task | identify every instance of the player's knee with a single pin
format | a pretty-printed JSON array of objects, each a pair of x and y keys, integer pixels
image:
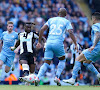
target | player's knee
[
  {"x": 6, "y": 70},
  {"x": 80, "y": 58},
  {"x": 1, "y": 63}
]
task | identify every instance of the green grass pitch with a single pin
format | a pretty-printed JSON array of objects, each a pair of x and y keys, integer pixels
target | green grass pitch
[{"x": 22, "y": 87}]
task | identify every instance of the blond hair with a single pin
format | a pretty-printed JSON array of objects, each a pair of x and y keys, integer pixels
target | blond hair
[{"x": 9, "y": 22}]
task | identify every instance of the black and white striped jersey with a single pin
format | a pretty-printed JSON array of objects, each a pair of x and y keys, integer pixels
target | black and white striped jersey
[
  {"x": 75, "y": 54},
  {"x": 27, "y": 41}
]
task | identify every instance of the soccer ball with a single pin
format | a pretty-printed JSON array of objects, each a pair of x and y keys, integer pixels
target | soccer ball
[{"x": 30, "y": 78}]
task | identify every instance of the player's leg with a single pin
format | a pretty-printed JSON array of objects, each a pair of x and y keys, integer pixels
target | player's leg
[
  {"x": 24, "y": 62},
  {"x": 86, "y": 56},
  {"x": 48, "y": 55},
  {"x": 30, "y": 79},
  {"x": 90, "y": 66},
  {"x": 25, "y": 66},
  {"x": 60, "y": 68},
  {"x": 93, "y": 56},
  {"x": 60, "y": 53},
  {"x": 31, "y": 63},
  {"x": 76, "y": 68},
  {"x": 32, "y": 68},
  {"x": 1, "y": 63},
  {"x": 7, "y": 69},
  {"x": 42, "y": 70},
  {"x": 2, "y": 60},
  {"x": 9, "y": 63}
]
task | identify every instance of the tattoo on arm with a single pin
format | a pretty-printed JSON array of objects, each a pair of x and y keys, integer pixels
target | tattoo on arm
[{"x": 97, "y": 38}]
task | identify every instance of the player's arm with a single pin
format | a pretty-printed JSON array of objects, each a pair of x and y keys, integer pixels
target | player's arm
[
  {"x": 16, "y": 44},
  {"x": 70, "y": 30},
  {"x": 0, "y": 41},
  {"x": 45, "y": 27},
  {"x": 17, "y": 49},
  {"x": 97, "y": 38},
  {"x": 72, "y": 36},
  {"x": 37, "y": 37}
]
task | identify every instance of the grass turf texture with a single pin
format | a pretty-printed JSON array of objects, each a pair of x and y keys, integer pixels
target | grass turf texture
[{"x": 22, "y": 87}]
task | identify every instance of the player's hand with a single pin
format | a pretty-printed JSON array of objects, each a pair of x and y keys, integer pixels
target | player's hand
[
  {"x": 76, "y": 48},
  {"x": 38, "y": 45},
  {"x": 12, "y": 48},
  {"x": 16, "y": 51},
  {"x": 91, "y": 48},
  {"x": 44, "y": 47}
]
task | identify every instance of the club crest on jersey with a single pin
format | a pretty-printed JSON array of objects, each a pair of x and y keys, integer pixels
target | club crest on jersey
[{"x": 12, "y": 36}]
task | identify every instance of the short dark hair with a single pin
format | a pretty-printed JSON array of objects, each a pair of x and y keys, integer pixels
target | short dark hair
[
  {"x": 96, "y": 15},
  {"x": 62, "y": 12},
  {"x": 30, "y": 23}
]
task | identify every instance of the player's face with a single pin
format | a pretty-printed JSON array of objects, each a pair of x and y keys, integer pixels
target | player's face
[
  {"x": 28, "y": 28},
  {"x": 10, "y": 27}
]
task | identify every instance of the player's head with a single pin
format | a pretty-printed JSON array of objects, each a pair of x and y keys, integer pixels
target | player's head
[
  {"x": 9, "y": 26},
  {"x": 95, "y": 17},
  {"x": 62, "y": 12},
  {"x": 28, "y": 26}
]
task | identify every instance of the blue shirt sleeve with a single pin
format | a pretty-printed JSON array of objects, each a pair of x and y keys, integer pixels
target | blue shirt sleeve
[
  {"x": 95, "y": 28},
  {"x": 68, "y": 25},
  {"x": 1, "y": 38},
  {"x": 47, "y": 23},
  {"x": 17, "y": 36}
]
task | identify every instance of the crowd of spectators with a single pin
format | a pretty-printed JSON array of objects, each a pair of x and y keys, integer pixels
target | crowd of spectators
[
  {"x": 94, "y": 5},
  {"x": 39, "y": 11}
]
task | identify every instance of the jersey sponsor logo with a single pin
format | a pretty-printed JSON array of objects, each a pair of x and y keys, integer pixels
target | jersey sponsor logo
[{"x": 23, "y": 39}]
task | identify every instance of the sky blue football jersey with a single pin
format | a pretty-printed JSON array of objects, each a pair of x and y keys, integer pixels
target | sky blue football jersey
[
  {"x": 8, "y": 41},
  {"x": 95, "y": 28},
  {"x": 57, "y": 27}
]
